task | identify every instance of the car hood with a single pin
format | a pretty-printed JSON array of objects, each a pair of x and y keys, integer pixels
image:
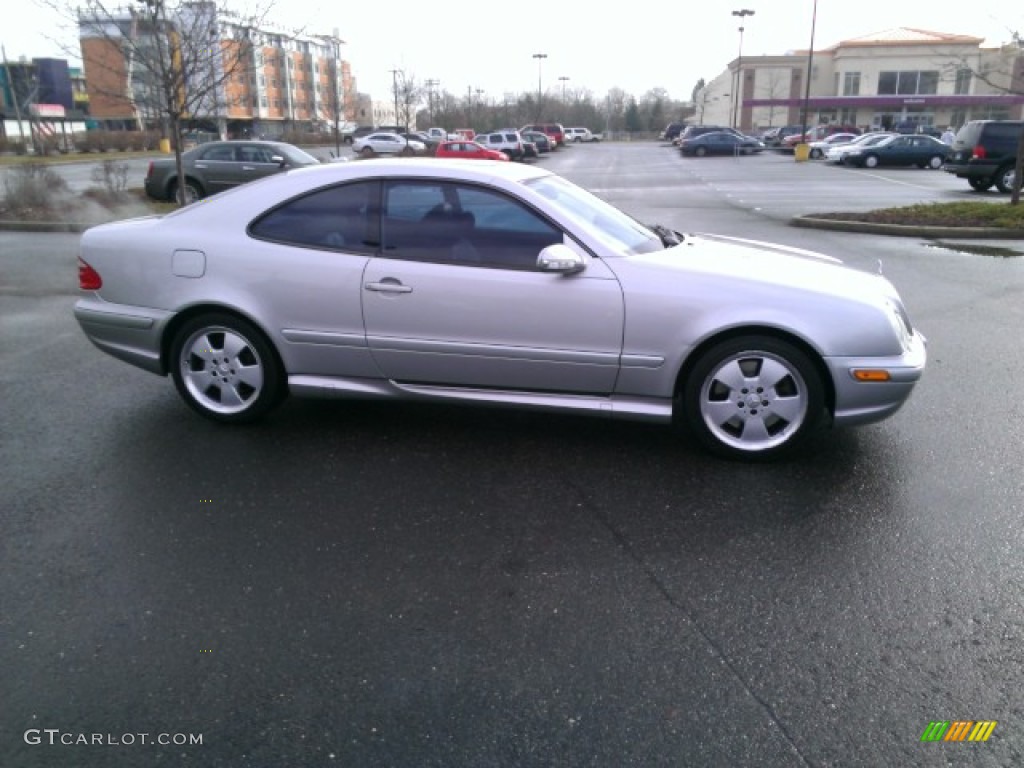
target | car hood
[{"x": 711, "y": 258}]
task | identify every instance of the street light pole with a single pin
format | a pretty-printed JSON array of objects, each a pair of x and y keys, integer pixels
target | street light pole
[
  {"x": 540, "y": 60},
  {"x": 563, "y": 79},
  {"x": 431, "y": 84},
  {"x": 738, "y": 89},
  {"x": 810, "y": 62},
  {"x": 394, "y": 89}
]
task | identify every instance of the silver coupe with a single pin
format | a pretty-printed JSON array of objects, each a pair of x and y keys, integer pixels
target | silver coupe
[{"x": 495, "y": 284}]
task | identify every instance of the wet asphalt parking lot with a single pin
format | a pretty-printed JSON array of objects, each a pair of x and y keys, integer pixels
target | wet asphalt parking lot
[{"x": 371, "y": 584}]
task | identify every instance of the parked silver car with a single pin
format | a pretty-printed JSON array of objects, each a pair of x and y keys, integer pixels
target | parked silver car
[
  {"x": 492, "y": 283},
  {"x": 387, "y": 143}
]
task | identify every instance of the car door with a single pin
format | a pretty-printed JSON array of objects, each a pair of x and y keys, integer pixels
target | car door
[
  {"x": 456, "y": 300},
  {"x": 256, "y": 161},
  {"x": 217, "y": 167},
  {"x": 897, "y": 152}
]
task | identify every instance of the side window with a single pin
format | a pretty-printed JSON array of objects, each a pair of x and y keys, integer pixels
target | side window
[
  {"x": 505, "y": 232},
  {"x": 415, "y": 224},
  {"x": 219, "y": 153},
  {"x": 341, "y": 218},
  {"x": 253, "y": 154},
  {"x": 460, "y": 224}
]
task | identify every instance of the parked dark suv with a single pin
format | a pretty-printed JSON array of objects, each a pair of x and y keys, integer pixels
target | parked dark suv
[{"x": 984, "y": 152}]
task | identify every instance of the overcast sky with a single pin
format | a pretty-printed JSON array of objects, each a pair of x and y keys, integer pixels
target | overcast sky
[{"x": 636, "y": 45}]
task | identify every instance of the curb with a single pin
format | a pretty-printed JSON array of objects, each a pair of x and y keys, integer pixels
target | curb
[{"x": 908, "y": 230}]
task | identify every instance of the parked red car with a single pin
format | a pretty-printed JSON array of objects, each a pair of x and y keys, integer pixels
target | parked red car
[{"x": 468, "y": 150}]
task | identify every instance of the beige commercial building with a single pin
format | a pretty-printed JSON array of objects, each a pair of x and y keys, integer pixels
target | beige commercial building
[{"x": 879, "y": 81}]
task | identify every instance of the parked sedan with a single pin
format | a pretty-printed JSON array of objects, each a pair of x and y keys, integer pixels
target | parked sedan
[
  {"x": 908, "y": 150},
  {"x": 720, "y": 143},
  {"x": 817, "y": 149},
  {"x": 219, "y": 165},
  {"x": 409, "y": 281},
  {"x": 468, "y": 150},
  {"x": 385, "y": 143},
  {"x": 836, "y": 154}
]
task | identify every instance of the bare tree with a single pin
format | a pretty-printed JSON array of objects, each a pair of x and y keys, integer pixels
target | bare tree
[
  {"x": 167, "y": 59},
  {"x": 409, "y": 95}
]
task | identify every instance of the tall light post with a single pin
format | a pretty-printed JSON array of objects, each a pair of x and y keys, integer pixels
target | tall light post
[
  {"x": 810, "y": 62},
  {"x": 564, "y": 79},
  {"x": 394, "y": 89},
  {"x": 540, "y": 60},
  {"x": 430, "y": 86},
  {"x": 738, "y": 87}
]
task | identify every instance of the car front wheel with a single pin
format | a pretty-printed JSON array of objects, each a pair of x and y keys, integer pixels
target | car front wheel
[
  {"x": 700, "y": 151},
  {"x": 225, "y": 369},
  {"x": 753, "y": 397},
  {"x": 815, "y": 154}
]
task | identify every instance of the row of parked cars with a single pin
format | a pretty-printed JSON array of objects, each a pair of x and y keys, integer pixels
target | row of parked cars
[{"x": 983, "y": 152}]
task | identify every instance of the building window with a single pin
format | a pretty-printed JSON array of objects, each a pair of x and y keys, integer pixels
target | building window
[
  {"x": 963, "y": 81},
  {"x": 908, "y": 83},
  {"x": 847, "y": 116},
  {"x": 851, "y": 84},
  {"x": 958, "y": 117}
]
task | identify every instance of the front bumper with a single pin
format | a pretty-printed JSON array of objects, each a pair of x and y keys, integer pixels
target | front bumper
[{"x": 864, "y": 402}]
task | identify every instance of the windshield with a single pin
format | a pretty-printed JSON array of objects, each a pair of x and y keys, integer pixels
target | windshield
[{"x": 614, "y": 228}]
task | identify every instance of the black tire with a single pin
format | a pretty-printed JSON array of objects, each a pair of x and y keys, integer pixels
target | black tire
[
  {"x": 870, "y": 161},
  {"x": 816, "y": 153},
  {"x": 1004, "y": 179},
  {"x": 193, "y": 191},
  {"x": 983, "y": 184},
  {"x": 779, "y": 402},
  {"x": 700, "y": 151},
  {"x": 225, "y": 369},
  {"x": 935, "y": 162},
  {"x": 367, "y": 152}
]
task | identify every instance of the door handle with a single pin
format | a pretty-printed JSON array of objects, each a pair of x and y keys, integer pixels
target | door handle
[{"x": 388, "y": 285}]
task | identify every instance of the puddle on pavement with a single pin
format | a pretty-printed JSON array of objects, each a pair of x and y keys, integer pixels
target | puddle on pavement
[{"x": 999, "y": 251}]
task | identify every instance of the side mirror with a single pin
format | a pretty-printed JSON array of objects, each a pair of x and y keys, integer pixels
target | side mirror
[
  {"x": 562, "y": 259},
  {"x": 278, "y": 159}
]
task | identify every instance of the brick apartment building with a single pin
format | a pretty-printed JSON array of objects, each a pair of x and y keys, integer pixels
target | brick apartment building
[{"x": 254, "y": 80}]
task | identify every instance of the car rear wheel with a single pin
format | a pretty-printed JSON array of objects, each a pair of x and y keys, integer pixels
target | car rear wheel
[
  {"x": 753, "y": 397},
  {"x": 981, "y": 185},
  {"x": 1004, "y": 179},
  {"x": 935, "y": 162},
  {"x": 193, "y": 191},
  {"x": 225, "y": 369},
  {"x": 871, "y": 161}
]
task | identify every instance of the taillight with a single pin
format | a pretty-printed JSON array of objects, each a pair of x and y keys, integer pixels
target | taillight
[
  {"x": 149, "y": 171},
  {"x": 979, "y": 153},
  {"x": 88, "y": 278}
]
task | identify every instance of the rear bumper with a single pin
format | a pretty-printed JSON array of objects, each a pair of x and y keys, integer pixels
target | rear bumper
[{"x": 131, "y": 334}]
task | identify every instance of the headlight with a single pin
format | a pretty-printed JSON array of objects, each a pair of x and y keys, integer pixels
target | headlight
[{"x": 900, "y": 321}]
